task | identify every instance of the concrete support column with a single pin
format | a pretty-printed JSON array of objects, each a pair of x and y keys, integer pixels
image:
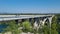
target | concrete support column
[
  {"x": 36, "y": 27},
  {"x": 50, "y": 20},
  {"x": 44, "y": 21},
  {"x": 31, "y": 20},
  {"x": 18, "y": 21},
  {"x": 40, "y": 22}
]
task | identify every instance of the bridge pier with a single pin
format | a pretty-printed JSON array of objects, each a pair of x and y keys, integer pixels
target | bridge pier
[
  {"x": 18, "y": 21},
  {"x": 31, "y": 20},
  {"x": 48, "y": 20}
]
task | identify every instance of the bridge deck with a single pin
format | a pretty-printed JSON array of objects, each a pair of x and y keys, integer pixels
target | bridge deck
[{"x": 14, "y": 17}]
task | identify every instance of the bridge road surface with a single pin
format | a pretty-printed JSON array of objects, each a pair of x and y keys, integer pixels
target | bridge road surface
[{"x": 15, "y": 17}]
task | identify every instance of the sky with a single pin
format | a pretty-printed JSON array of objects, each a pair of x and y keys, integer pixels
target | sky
[{"x": 29, "y": 6}]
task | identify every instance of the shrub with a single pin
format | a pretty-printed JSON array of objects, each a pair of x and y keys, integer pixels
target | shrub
[{"x": 27, "y": 26}]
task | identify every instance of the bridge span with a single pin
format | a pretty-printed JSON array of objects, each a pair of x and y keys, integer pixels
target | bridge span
[
  {"x": 37, "y": 18},
  {"x": 14, "y": 17}
]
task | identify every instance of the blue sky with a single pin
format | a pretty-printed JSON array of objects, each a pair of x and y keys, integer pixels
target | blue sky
[{"x": 29, "y": 6}]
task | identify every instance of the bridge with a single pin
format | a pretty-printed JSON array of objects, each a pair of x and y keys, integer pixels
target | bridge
[{"x": 37, "y": 18}]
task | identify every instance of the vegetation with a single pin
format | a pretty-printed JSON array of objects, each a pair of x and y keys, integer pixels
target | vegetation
[
  {"x": 54, "y": 26},
  {"x": 27, "y": 26},
  {"x": 12, "y": 27},
  {"x": 58, "y": 23}
]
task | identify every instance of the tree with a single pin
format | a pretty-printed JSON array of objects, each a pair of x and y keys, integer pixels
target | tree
[
  {"x": 45, "y": 29},
  {"x": 54, "y": 26},
  {"x": 58, "y": 23},
  {"x": 13, "y": 27},
  {"x": 27, "y": 26}
]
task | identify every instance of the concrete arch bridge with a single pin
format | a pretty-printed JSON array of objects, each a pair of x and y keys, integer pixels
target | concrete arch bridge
[{"x": 38, "y": 19}]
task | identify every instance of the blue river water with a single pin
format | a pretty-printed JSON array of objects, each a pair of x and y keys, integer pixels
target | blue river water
[{"x": 2, "y": 27}]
